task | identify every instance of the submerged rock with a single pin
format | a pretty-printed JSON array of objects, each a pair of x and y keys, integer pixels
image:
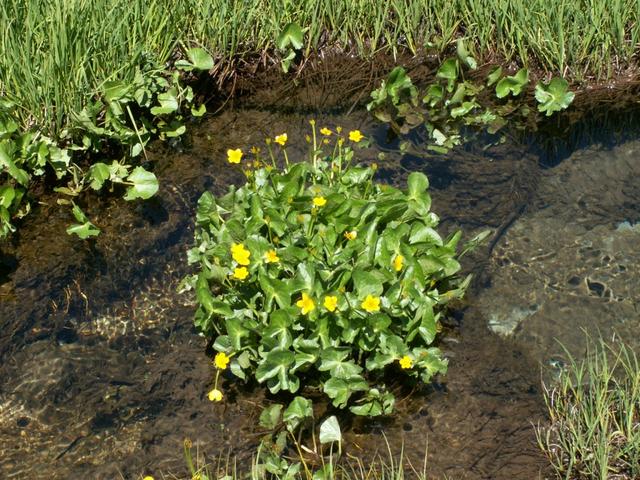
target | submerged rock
[{"x": 569, "y": 265}]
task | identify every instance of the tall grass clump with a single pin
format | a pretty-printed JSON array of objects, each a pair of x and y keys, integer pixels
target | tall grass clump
[
  {"x": 308, "y": 465},
  {"x": 594, "y": 410},
  {"x": 56, "y": 54}
]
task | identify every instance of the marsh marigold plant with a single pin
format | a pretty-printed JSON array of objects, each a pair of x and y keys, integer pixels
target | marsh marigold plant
[{"x": 312, "y": 274}]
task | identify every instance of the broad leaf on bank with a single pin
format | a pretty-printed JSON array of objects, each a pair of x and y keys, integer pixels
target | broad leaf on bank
[
  {"x": 200, "y": 59},
  {"x": 98, "y": 173},
  {"x": 554, "y": 97},
  {"x": 464, "y": 56},
  {"x": 270, "y": 416},
  {"x": 275, "y": 366},
  {"x": 299, "y": 410},
  {"x": 144, "y": 184},
  {"x": 291, "y": 35},
  {"x": 330, "y": 430},
  {"x": 494, "y": 76},
  {"x": 512, "y": 84},
  {"x": 85, "y": 228}
]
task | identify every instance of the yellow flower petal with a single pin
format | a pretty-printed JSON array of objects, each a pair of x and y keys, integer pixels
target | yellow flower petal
[
  {"x": 234, "y": 156},
  {"x": 406, "y": 362},
  {"x": 352, "y": 235},
  {"x": 271, "y": 257},
  {"x": 241, "y": 273},
  {"x": 325, "y": 131},
  {"x": 330, "y": 303},
  {"x": 355, "y": 136},
  {"x": 319, "y": 201},
  {"x": 221, "y": 360},
  {"x": 398, "y": 263},
  {"x": 240, "y": 254},
  {"x": 306, "y": 304},
  {"x": 371, "y": 304},
  {"x": 215, "y": 395},
  {"x": 148, "y": 477},
  {"x": 281, "y": 139}
]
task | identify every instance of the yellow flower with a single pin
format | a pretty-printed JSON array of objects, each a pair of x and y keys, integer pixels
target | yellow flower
[
  {"x": 338, "y": 129},
  {"x": 148, "y": 477},
  {"x": 234, "y": 156},
  {"x": 355, "y": 136},
  {"x": 330, "y": 303},
  {"x": 312, "y": 122},
  {"x": 306, "y": 304},
  {"x": 319, "y": 201},
  {"x": 215, "y": 395},
  {"x": 371, "y": 304},
  {"x": 241, "y": 273},
  {"x": 221, "y": 360},
  {"x": 352, "y": 235},
  {"x": 255, "y": 150},
  {"x": 240, "y": 254},
  {"x": 406, "y": 362},
  {"x": 398, "y": 262},
  {"x": 325, "y": 131},
  {"x": 271, "y": 257},
  {"x": 281, "y": 139}
]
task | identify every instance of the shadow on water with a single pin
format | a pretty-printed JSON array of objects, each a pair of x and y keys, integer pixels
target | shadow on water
[{"x": 103, "y": 375}]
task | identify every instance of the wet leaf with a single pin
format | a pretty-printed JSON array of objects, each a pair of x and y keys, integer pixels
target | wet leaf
[
  {"x": 512, "y": 84},
  {"x": 270, "y": 416},
  {"x": 298, "y": 411},
  {"x": 85, "y": 228},
  {"x": 145, "y": 184},
  {"x": 291, "y": 35},
  {"x": 553, "y": 97},
  {"x": 98, "y": 173},
  {"x": 494, "y": 76},
  {"x": 330, "y": 430},
  {"x": 464, "y": 56},
  {"x": 200, "y": 59}
]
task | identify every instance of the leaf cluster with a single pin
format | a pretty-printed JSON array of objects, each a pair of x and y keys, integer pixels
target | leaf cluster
[
  {"x": 452, "y": 103},
  {"x": 123, "y": 117},
  {"x": 373, "y": 249}
]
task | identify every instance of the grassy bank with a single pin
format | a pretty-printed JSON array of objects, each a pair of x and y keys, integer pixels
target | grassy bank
[
  {"x": 54, "y": 54},
  {"x": 595, "y": 416}
]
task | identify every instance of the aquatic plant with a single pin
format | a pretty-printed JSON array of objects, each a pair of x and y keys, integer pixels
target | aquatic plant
[
  {"x": 594, "y": 410},
  {"x": 452, "y": 102},
  {"x": 314, "y": 277}
]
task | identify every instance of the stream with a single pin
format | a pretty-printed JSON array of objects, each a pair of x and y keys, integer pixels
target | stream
[{"x": 103, "y": 375}]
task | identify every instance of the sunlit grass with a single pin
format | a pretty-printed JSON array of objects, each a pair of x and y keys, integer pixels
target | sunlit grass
[
  {"x": 595, "y": 416},
  {"x": 54, "y": 54}
]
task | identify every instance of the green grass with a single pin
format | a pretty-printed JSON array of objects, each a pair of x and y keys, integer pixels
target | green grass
[
  {"x": 54, "y": 54},
  {"x": 595, "y": 416},
  {"x": 385, "y": 466}
]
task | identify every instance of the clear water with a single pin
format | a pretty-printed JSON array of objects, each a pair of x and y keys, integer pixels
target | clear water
[{"x": 102, "y": 375}]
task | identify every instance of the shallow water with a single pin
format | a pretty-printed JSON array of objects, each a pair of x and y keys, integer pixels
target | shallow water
[{"x": 104, "y": 377}]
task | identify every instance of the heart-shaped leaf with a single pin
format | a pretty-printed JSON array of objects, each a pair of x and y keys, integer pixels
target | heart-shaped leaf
[
  {"x": 291, "y": 35},
  {"x": 330, "y": 430}
]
